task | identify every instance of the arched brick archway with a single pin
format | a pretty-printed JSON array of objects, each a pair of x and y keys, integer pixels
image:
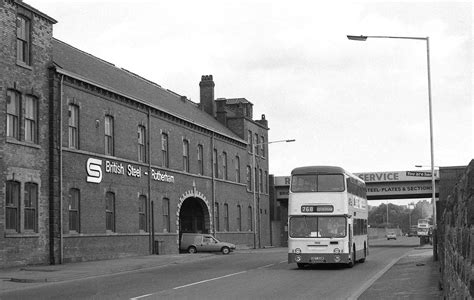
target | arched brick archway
[{"x": 193, "y": 213}]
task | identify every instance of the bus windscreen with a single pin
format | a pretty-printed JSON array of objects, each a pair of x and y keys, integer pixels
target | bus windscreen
[
  {"x": 317, "y": 226},
  {"x": 317, "y": 183}
]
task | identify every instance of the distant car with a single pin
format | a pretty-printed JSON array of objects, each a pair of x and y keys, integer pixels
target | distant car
[
  {"x": 391, "y": 236},
  {"x": 198, "y": 242}
]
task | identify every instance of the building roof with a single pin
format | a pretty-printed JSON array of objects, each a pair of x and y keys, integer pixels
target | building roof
[
  {"x": 106, "y": 75},
  {"x": 237, "y": 101}
]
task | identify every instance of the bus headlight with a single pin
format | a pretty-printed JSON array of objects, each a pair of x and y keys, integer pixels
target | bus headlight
[
  {"x": 297, "y": 258},
  {"x": 298, "y": 251},
  {"x": 337, "y": 250}
]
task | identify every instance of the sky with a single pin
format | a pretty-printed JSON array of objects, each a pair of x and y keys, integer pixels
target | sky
[{"x": 359, "y": 105}]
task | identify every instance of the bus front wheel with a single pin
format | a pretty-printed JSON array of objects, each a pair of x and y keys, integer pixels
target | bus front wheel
[{"x": 301, "y": 265}]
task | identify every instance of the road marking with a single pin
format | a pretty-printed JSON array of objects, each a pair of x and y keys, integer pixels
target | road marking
[
  {"x": 207, "y": 280},
  {"x": 262, "y": 267},
  {"x": 143, "y": 296},
  {"x": 282, "y": 262}
]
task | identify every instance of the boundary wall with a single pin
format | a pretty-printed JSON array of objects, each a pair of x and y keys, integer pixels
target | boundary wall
[{"x": 456, "y": 239}]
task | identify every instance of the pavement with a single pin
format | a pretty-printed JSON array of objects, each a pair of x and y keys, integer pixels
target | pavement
[{"x": 412, "y": 276}]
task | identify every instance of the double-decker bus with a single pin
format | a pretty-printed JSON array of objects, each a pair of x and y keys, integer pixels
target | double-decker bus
[
  {"x": 423, "y": 228},
  {"x": 327, "y": 217}
]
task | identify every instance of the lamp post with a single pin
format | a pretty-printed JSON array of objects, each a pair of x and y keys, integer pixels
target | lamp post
[
  {"x": 256, "y": 209},
  {"x": 363, "y": 38}
]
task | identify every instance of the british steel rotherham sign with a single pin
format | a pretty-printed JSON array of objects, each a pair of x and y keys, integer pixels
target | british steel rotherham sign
[{"x": 95, "y": 168}]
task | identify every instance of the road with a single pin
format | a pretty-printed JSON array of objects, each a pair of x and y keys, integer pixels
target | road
[{"x": 245, "y": 274}]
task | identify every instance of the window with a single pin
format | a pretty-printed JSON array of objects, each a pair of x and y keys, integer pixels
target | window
[
  {"x": 226, "y": 216},
  {"x": 31, "y": 119},
  {"x": 73, "y": 126},
  {"x": 260, "y": 176},
  {"x": 266, "y": 182},
  {"x": 185, "y": 156},
  {"x": 142, "y": 213},
  {"x": 239, "y": 218},
  {"x": 141, "y": 143},
  {"x": 256, "y": 144},
  {"x": 317, "y": 183},
  {"x": 13, "y": 114},
  {"x": 237, "y": 168},
  {"x": 200, "y": 160},
  {"x": 249, "y": 141},
  {"x": 109, "y": 135},
  {"x": 30, "y": 206},
  {"x": 110, "y": 211},
  {"x": 166, "y": 215},
  {"x": 216, "y": 164},
  {"x": 164, "y": 150},
  {"x": 249, "y": 178},
  {"x": 255, "y": 184},
  {"x": 12, "y": 203},
  {"x": 249, "y": 219},
  {"x": 224, "y": 165},
  {"x": 74, "y": 201},
  {"x": 23, "y": 39},
  {"x": 262, "y": 142},
  {"x": 216, "y": 216}
]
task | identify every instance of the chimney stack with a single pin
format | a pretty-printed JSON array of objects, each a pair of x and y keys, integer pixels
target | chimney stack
[{"x": 207, "y": 95}]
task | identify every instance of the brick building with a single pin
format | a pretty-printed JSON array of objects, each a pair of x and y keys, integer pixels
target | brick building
[{"x": 97, "y": 162}]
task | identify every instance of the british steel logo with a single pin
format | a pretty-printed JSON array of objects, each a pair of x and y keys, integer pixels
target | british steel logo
[{"x": 94, "y": 170}]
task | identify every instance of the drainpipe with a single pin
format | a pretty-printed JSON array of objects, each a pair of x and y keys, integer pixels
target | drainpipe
[
  {"x": 213, "y": 187},
  {"x": 151, "y": 226},
  {"x": 61, "y": 171}
]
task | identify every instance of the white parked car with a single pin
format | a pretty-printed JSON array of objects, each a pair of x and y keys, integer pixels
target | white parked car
[{"x": 199, "y": 242}]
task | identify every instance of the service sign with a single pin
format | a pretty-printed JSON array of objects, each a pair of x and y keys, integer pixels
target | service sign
[{"x": 397, "y": 176}]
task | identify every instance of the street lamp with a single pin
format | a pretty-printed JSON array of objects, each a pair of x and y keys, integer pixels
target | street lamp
[
  {"x": 364, "y": 38},
  {"x": 256, "y": 210}
]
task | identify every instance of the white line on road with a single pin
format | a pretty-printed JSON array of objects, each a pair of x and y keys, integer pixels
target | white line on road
[
  {"x": 139, "y": 297},
  {"x": 262, "y": 267},
  {"x": 207, "y": 280}
]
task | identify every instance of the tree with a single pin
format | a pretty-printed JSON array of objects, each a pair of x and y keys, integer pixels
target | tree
[{"x": 398, "y": 215}]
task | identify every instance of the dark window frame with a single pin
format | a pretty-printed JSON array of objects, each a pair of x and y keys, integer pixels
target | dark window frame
[
  {"x": 110, "y": 220},
  {"x": 141, "y": 143},
  {"x": 30, "y": 119},
  {"x": 165, "y": 150},
  {"x": 12, "y": 205},
  {"x": 185, "y": 155},
  {"x": 166, "y": 215},
  {"x": 142, "y": 213},
  {"x": 13, "y": 117},
  {"x": 73, "y": 126},
  {"x": 23, "y": 39},
  {"x": 30, "y": 207},
  {"x": 109, "y": 135},
  {"x": 74, "y": 210}
]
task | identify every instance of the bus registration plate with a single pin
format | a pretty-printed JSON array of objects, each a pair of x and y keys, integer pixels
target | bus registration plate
[{"x": 315, "y": 259}]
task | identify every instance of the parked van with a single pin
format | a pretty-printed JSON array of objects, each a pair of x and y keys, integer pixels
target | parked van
[{"x": 199, "y": 242}]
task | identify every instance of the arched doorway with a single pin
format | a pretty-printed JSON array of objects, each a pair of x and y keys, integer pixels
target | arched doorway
[{"x": 194, "y": 216}]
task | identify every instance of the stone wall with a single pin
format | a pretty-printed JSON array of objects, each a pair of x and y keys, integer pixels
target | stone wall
[{"x": 456, "y": 239}]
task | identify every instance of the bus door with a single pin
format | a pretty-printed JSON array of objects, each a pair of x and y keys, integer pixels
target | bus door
[{"x": 350, "y": 238}]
